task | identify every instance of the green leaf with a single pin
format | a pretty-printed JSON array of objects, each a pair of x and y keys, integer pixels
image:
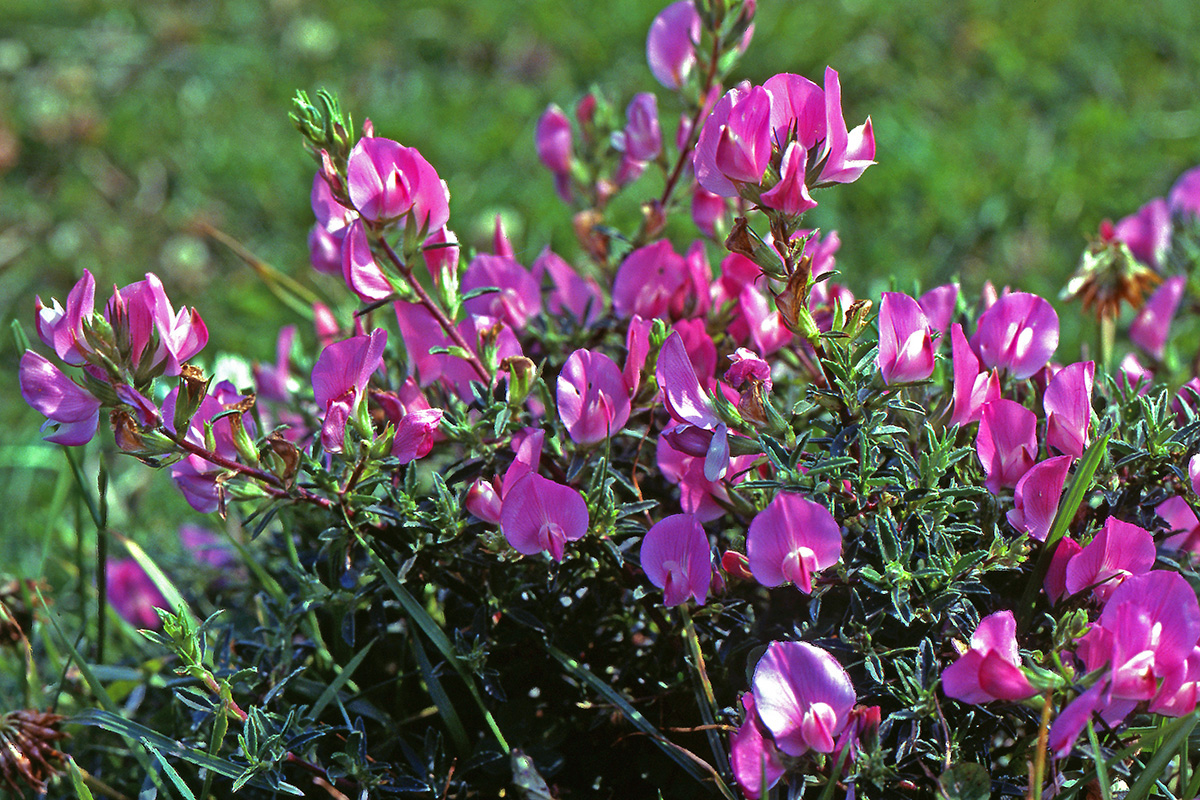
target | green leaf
[
  {"x": 331, "y": 691},
  {"x": 81, "y": 790},
  {"x": 171, "y": 773}
]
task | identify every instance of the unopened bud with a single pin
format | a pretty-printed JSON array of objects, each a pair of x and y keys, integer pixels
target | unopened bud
[
  {"x": 736, "y": 565},
  {"x": 192, "y": 390},
  {"x": 283, "y": 457},
  {"x": 522, "y": 373}
]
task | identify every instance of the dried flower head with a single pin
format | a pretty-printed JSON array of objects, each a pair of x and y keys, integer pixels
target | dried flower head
[
  {"x": 28, "y": 758},
  {"x": 1109, "y": 273}
]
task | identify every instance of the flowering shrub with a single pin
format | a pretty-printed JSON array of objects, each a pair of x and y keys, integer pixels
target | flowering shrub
[{"x": 732, "y": 526}]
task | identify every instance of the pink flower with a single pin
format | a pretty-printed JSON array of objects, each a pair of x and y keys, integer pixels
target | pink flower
[
  {"x": 1006, "y": 443},
  {"x": 642, "y": 137},
  {"x": 790, "y": 540},
  {"x": 572, "y": 294},
  {"x": 790, "y": 195},
  {"x": 1184, "y": 197},
  {"x": 519, "y": 297},
  {"x": 1119, "y": 550},
  {"x": 647, "y": 280},
  {"x": 414, "y": 434},
  {"x": 62, "y": 331},
  {"x": 326, "y": 236},
  {"x": 1018, "y": 333},
  {"x": 1037, "y": 496},
  {"x": 272, "y": 381},
  {"x": 677, "y": 558},
  {"x": 198, "y": 479},
  {"x": 63, "y": 402},
  {"x": 747, "y": 366},
  {"x": 1178, "y": 514},
  {"x": 671, "y": 43},
  {"x": 540, "y": 515},
  {"x": 846, "y": 153},
  {"x": 1055, "y": 584},
  {"x": 483, "y": 500},
  {"x": 1150, "y": 328},
  {"x": 206, "y": 547},
  {"x": 697, "y": 494},
  {"x": 905, "y": 345},
  {"x": 1068, "y": 404},
  {"x": 735, "y": 142},
  {"x": 707, "y": 209},
  {"x": 973, "y": 389},
  {"x": 688, "y": 403},
  {"x": 359, "y": 269},
  {"x": 159, "y": 340},
  {"x": 339, "y": 380},
  {"x": 991, "y": 668},
  {"x": 133, "y": 594},
  {"x": 1147, "y": 233},
  {"x": 440, "y": 251},
  {"x": 592, "y": 399},
  {"x": 386, "y": 180},
  {"x": 803, "y": 697},
  {"x": 1134, "y": 376},
  {"x": 553, "y": 139},
  {"x": 939, "y": 304},
  {"x": 1194, "y": 473},
  {"x": 756, "y": 762}
]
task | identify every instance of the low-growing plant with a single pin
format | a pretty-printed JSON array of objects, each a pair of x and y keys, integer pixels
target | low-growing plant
[{"x": 632, "y": 526}]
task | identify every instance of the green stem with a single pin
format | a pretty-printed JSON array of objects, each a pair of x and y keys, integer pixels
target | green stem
[{"x": 708, "y": 701}]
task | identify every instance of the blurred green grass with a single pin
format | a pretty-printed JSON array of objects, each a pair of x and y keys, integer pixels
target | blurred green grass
[{"x": 1005, "y": 130}]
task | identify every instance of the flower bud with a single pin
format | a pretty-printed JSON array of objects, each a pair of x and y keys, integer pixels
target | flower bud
[{"x": 522, "y": 373}]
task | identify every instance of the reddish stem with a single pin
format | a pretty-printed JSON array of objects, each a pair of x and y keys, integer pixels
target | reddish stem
[
  {"x": 694, "y": 133},
  {"x": 276, "y": 486}
]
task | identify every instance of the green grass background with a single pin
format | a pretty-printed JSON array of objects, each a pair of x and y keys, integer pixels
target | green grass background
[{"x": 1006, "y": 131}]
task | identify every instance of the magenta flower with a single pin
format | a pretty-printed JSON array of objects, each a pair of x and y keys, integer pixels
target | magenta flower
[
  {"x": 415, "y": 433},
  {"x": 359, "y": 268},
  {"x": 553, "y": 139},
  {"x": 1006, "y": 443},
  {"x": 206, "y": 547},
  {"x": 846, "y": 154},
  {"x": 592, "y": 399},
  {"x": 905, "y": 344},
  {"x": 1179, "y": 516},
  {"x": 1019, "y": 333},
  {"x": 1119, "y": 550},
  {"x": 790, "y": 540},
  {"x": 735, "y": 142},
  {"x": 677, "y": 558},
  {"x": 326, "y": 236},
  {"x": 572, "y": 294},
  {"x": 756, "y": 762},
  {"x": 539, "y": 515},
  {"x": 159, "y": 339},
  {"x": 200, "y": 480},
  {"x": 747, "y": 366},
  {"x": 708, "y": 209},
  {"x": 647, "y": 280},
  {"x": 688, "y": 403},
  {"x": 1037, "y": 496},
  {"x": 671, "y": 43},
  {"x": 1147, "y": 233},
  {"x": 62, "y": 330},
  {"x": 1150, "y": 328},
  {"x": 642, "y": 137},
  {"x": 63, "y": 402},
  {"x": 697, "y": 494},
  {"x": 1055, "y": 584},
  {"x": 339, "y": 380},
  {"x": 440, "y": 251},
  {"x": 973, "y": 389},
  {"x": 790, "y": 195},
  {"x": 483, "y": 500},
  {"x": 939, "y": 304},
  {"x": 1184, "y": 197},
  {"x": 519, "y": 298},
  {"x": 133, "y": 594},
  {"x": 803, "y": 697},
  {"x": 1068, "y": 404},
  {"x": 991, "y": 668},
  {"x": 1194, "y": 473},
  {"x": 386, "y": 180}
]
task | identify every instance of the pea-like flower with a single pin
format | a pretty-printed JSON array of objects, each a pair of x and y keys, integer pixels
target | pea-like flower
[
  {"x": 991, "y": 668},
  {"x": 677, "y": 558},
  {"x": 790, "y": 540}
]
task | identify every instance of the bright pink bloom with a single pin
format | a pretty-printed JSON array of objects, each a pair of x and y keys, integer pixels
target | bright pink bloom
[
  {"x": 62, "y": 331},
  {"x": 422, "y": 333},
  {"x": 326, "y": 236},
  {"x": 519, "y": 298},
  {"x": 642, "y": 138},
  {"x": 697, "y": 494},
  {"x": 637, "y": 346},
  {"x": 1037, "y": 496},
  {"x": 647, "y": 280},
  {"x": 553, "y": 139},
  {"x": 846, "y": 153},
  {"x": 1056, "y": 577},
  {"x": 359, "y": 269},
  {"x": 1006, "y": 443},
  {"x": 688, "y": 403},
  {"x": 540, "y": 515},
  {"x": 1134, "y": 376},
  {"x": 790, "y": 195},
  {"x": 339, "y": 380},
  {"x": 671, "y": 43},
  {"x": 707, "y": 209},
  {"x": 905, "y": 345},
  {"x": 803, "y": 697},
  {"x": 1147, "y": 233},
  {"x": 414, "y": 434},
  {"x": 1184, "y": 197},
  {"x": 756, "y": 762},
  {"x": 973, "y": 389},
  {"x": 991, "y": 668},
  {"x": 325, "y": 325},
  {"x": 1180, "y": 689},
  {"x": 691, "y": 299},
  {"x": 1068, "y": 404},
  {"x": 133, "y": 594},
  {"x": 56, "y": 397},
  {"x": 483, "y": 500},
  {"x": 939, "y": 305},
  {"x": 1150, "y": 328},
  {"x": 1018, "y": 333},
  {"x": 592, "y": 399},
  {"x": 790, "y": 540},
  {"x": 160, "y": 340},
  {"x": 1194, "y": 473},
  {"x": 1119, "y": 550},
  {"x": 743, "y": 145},
  {"x": 747, "y": 366},
  {"x": 440, "y": 251},
  {"x": 386, "y": 180},
  {"x": 572, "y": 294},
  {"x": 701, "y": 349},
  {"x": 677, "y": 558},
  {"x": 1179, "y": 516}
]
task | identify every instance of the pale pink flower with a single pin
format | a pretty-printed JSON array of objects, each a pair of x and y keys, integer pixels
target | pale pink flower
[
  {"x": 1068, "y": 404},
  {"x": 677, "y": 558},
  {"x": 792, "y": 539},
  {"x": 1018, "y": 333},
  {"x": 803, "y": 697},
  {"x": 540, "y": 515},
  {"x": 593, "y": 401},
  {"x": 991, "y": 668}
]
